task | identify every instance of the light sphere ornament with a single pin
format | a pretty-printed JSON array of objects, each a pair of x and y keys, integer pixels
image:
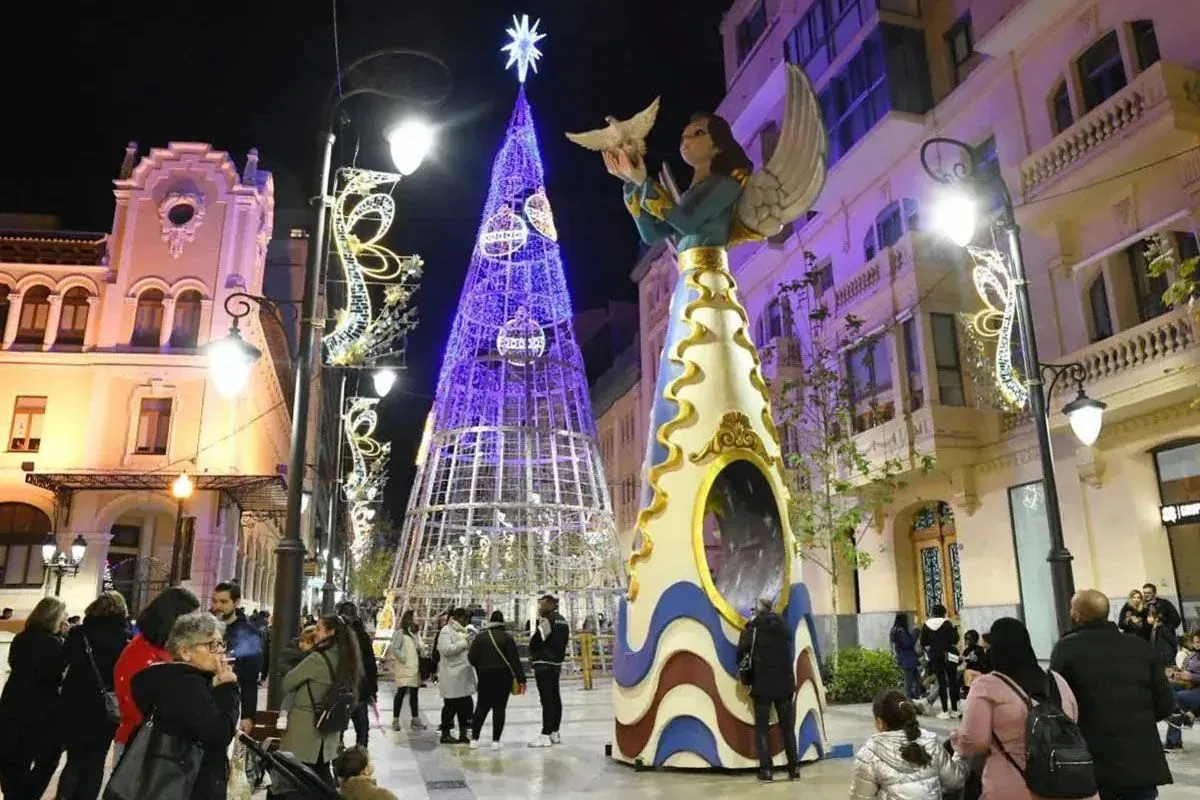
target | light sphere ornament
[
  {"x": 503, "y": 234},
  {"x": 384, "y": 380},
  {"x": 229, "y": 363},
  {"x": 409, "y": 144},
  {"x": 1086, "y": 417},
  {"x": 954, "y": 215},
  {"x": 521, "y": 339}
]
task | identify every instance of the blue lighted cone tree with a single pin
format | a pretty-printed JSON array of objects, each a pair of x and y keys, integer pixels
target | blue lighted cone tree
[{"x": 510, "y": 499}]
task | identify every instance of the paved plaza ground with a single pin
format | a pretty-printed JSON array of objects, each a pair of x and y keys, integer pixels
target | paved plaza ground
[{"x": 416, "y": 767}]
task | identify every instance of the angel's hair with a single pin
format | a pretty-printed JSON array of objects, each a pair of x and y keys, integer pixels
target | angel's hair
[{"x": 730, "y": 155}]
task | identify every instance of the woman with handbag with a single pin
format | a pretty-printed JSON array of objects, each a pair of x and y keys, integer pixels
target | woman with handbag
[
  {"x": 405, "y": 655},
  {"x": 91, "y": 652},
  {"x": 328, "y": 673},
  {"x": 498, "y": 666},
  {"x": 766, "y": 665},
  {"x": 30, "y": 736},
  {"x": 190, "y": 708}
]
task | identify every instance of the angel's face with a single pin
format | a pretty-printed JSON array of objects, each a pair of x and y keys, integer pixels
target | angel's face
[{"x": 696, "y": 146}]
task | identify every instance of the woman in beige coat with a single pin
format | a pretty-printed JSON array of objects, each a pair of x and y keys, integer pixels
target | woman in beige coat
[{"x": 331, "y": 662}]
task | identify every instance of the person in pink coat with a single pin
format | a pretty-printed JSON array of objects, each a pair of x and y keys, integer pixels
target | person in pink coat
[{"x": 995, "y": 710}]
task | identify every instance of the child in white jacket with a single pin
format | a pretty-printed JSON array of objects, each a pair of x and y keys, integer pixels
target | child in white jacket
[{"x": 901, "y": 761}]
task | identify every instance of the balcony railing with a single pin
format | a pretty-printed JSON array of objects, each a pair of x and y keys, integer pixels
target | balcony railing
[{"x": 1115, "y": 117}]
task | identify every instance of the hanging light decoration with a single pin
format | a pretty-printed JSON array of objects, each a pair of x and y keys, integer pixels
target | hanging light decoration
[
  {"x": 521, "y": 339},
  {"x": 537, "y": 210},
  {"x": 997, "y": 319},
  {"x": 503, "y": 234}
]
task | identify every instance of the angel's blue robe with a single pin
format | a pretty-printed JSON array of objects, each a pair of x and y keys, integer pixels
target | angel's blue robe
[{"x": 701, "y": 218}]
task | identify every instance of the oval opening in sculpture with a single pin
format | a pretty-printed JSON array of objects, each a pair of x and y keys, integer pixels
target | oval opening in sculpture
[{"x": 743, "y": 537}]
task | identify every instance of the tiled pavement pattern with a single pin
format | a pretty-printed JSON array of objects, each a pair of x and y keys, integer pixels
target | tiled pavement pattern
[{"x": 415, "y": 767}]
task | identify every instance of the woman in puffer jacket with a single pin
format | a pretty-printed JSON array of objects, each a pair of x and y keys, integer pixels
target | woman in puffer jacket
[{"x": 901, "y": 761}]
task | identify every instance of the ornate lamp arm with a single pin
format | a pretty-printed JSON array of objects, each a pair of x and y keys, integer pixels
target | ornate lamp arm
[{"x": 1074, "y": 371}]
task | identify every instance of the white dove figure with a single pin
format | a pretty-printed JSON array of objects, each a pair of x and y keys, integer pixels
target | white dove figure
[{"x": 628, "y": 135}]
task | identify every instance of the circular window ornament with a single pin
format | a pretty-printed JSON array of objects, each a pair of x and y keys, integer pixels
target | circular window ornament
[
  {"x": 521, "y": 339},
  {"x": 179, "y": 215}
]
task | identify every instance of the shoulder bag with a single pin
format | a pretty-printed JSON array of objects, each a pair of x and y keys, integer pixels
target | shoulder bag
[
  {"x": 517, "y": 687},
  {"x": 155, "y": 764},
  {"x": 333, "y": 715},
  {"x": 746, "y": 665},
  {"x": 112, "y": 708}
]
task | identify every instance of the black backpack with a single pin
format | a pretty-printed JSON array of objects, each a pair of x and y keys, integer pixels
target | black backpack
[
  {"x": 1057, "y": 761},
  {"x": 332, "y": 715}
]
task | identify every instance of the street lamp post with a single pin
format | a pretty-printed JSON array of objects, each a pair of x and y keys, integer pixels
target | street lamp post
[
  {"x": 60, "y": 562},
  {"x": 409, "y": 143},
  {"x": 955, "y": 216},
  {"x": 181, "y": 490}
]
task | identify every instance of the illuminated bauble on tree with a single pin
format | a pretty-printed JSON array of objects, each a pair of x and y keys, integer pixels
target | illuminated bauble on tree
[{"x": 510, "y": 498}]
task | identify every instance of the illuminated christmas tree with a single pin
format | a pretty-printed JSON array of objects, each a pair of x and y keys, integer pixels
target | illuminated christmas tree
[{"x": 510, "y": 499}]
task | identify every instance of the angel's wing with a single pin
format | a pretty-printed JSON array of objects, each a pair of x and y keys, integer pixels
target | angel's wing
[
  {"x": 791, "y": 181},
  {"x": 600, "y": 139},
  {"x": 640, "y": 124}
]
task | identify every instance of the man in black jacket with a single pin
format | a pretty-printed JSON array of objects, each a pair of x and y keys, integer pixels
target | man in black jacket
[
  {"x": 368, "y": 687},
  {"x": 1167, "y": 611},
  {"x": 244, "y": 644},
  {"x": 547, "y": 650},
  {"x": 1121, "y": 694},
  {"x": 768, "y": 642},
  {"x": 939, "y": 639}
]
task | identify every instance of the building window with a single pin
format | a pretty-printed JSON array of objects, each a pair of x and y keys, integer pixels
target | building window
[
  {"x": 1147, "y": 289},
  {"x": 4, "y": 292},
  {"x": 147, "y": 322},
  {"x": 750, "y": 30},
  {"x": 154, "y": 426},
  {"x": 1145, "y": 43},
  {"x": 1102, "y": 326},
  {"x": 857, "y": 98},
  {"x": 869, "y": 375},
  {"x": 897, "y": 218},
  {"x": 72, "y": 324},
  {"x": 945, "y": 356},
  {"x": 912, "y": 362},
  {"x": 1187, "y": 246},
  {"x": 26, "y": 432},
  {"x": 1101, "y": 71},
  {"x": 23, "y": 528},
  {"x": 770, "y": 324},
  {"x": 35, "y": 312},
  {"x": 826, "y": 29},
  {"x": 1060, "y": 108},
  {"x": 822, "y": 279},
  {"x": 186, "y": 330},
  {"x": 961, "y": 45}
]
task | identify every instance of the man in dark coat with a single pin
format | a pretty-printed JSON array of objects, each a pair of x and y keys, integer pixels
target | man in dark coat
[
  {"x": 768, "y": 642},
  {"x": 244, "y": 644},
  {"x": 1167, "y": 611},
  {"x": 1122, "y": 694},
  {"x": 368, "y": 687},
  {"x": 547, "y": 651}
]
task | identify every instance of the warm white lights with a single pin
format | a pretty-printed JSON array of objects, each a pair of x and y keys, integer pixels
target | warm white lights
[
  {"x": 229, "y": 363},
  {"x": 78, "y": 548},
  {"x": 384, "y": 380},
  {"x": 409, "y": 143},
  {"x": 182, "y": 487},
  {"x": 1086, "y": 417},
  {"x": 954, "y": 215}
]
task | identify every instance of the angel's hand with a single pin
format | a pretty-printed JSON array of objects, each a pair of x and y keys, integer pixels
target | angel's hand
[
  {"x": 610, "y": 164},
  {"x": 633, "y": 167}
]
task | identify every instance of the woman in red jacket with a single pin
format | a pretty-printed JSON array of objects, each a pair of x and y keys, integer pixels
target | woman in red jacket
[{"x": 147, "y": 648}]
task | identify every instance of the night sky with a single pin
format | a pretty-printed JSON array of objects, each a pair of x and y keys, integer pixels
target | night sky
[{"x": 254, "y": 74}]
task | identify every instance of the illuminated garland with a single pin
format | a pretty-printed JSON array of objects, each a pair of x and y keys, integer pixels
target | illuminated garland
[
  {"x": 361, "y": 219},
  {"x": 997, "y": 288},
  {"x": 363, "y": 486}
]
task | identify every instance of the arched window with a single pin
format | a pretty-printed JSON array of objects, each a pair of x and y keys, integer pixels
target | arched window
[
  {"x": 147, "y": 322},
  {"x": 72, "y": 323},
  {"x": 896, "y": 219},
  {"x": 23, "y": 529},
  {"x": 186, "y": 331},
  {"x": 1060, "y": 108},
  {"x": 35, "y": 311},
  {"x": 1101, "y": 70}
]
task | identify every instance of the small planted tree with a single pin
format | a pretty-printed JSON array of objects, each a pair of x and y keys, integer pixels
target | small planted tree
[{"x": 838, "y": 492}]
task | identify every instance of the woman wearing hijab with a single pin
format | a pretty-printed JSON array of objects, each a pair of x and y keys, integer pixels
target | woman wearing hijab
[{"x": 995, "y": 715}]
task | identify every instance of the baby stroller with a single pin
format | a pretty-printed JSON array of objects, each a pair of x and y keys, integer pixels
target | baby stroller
[{"x": 289, "y": 778}]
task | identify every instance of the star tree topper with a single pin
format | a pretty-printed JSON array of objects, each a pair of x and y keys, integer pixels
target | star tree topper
[{"x": 522, "y": 46}]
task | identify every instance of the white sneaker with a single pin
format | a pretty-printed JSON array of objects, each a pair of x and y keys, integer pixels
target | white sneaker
[
  {"x": 943, "y": 715},
  {"x": 474, "y": 745},
  {"x": 541, "y": 741},
  {"x": 495, "y": 747},
  {"x": 555, "y": 738}
]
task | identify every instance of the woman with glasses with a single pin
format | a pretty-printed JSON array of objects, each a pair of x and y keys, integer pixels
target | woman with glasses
[{"x": 195, "y": 697}]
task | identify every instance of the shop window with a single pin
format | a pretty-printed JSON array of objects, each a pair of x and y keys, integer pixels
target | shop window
[
  {"x": 945, "y": 355},
  {"x": 25, "y": 435},
  {"x": 750, "y": 30},
  {"x": 961, "y": 46},
  {"x": 1145, "y": 43},
  {"x": 1101, "y": 71},
  {"x": 1031, "y": 542},
  {"x": 1147, "y": 289},
  {"x": 72, "y": 323},
  {"x": 186, "y": 329},
  {"x": 148, "y": 319},
  {"x": 23, "y": 529},
  {"x": 1060, "y": 108},
  {"x": 1102, "y": 326},
  {"x": 35, "y": 313},
  {"x": 154, "y": 426},
  {"x": 1178, "y": 467}
]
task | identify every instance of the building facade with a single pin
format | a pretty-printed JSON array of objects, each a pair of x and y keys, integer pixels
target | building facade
[
  {"x": 1091, "y": 110},
  {"x": 107, "y": 398}
]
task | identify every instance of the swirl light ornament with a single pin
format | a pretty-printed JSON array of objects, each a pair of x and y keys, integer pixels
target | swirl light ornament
[
  {"x": 363, "y": 485},
  {"x": 998, "y": 318},
  {"x": 362, "y": 217}
]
